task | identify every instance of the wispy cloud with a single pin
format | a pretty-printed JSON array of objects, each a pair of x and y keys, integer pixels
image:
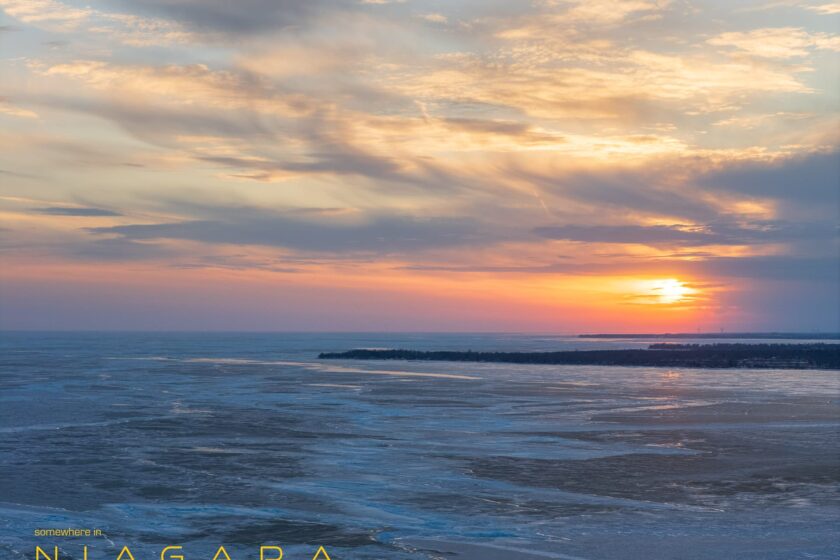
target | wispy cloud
[
  {"x": 323, "y": 232},
  {"x": 76, "y": 211},
  {"x": 434, "y": 17},
  {"x": 827, "y": 8},
  {"x": 52, "y": 15},
  {"x": 777, "y": 42}
]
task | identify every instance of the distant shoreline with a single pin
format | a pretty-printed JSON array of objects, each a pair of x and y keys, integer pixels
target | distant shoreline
[
  {"x": 723, "y": 335},
  {"x": 717, "y": 356}
]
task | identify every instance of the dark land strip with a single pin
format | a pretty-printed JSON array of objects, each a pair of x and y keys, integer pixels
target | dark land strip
[{"x": 772, "y": 356}]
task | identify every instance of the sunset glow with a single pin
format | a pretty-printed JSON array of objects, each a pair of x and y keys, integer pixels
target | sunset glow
[
  {"x": 332, "y": 165},
  {"x": 669, "y": 291}
]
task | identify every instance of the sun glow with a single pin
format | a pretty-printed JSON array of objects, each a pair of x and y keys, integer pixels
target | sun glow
[
  {"x": 668, "y": 290},
  {"x": 659, "y": 291}
]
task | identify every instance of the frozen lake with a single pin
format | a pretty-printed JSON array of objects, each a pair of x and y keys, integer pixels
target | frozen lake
[{"x": 247, "y": 439}]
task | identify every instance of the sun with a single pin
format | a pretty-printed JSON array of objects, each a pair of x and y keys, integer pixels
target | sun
[
  {"x": 658, "y": 291},
  {"x": 669, "y": 290}
]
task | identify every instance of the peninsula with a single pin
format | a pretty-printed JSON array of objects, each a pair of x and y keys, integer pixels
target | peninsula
[{"x": 771, "y": 356}]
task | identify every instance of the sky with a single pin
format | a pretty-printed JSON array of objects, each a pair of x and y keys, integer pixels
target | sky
[{"x": 559, "y": 166}]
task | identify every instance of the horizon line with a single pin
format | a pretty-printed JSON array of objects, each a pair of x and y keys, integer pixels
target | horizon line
[{"x": 523, "y": 332}]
